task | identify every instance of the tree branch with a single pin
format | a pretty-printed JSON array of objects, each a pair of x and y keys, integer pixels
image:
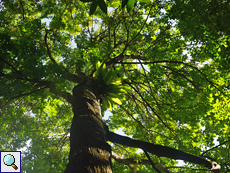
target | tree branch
[
  {"x": 47, "y": 48},
  {"x": 12, "y": 67},
  {"x": 159, "y": 150},
  {"x": 71, "y": 77},
  {"x": 143, "y": 24},
  {"x": 215, "y": 147},
  {"x": 154, "y": 167},
  {"x": 178, "y": 62},
  {"x": 46, "y": 84},
  {"x": 127, "y": 162},
  {"x": 75, "y": 78},
  {"x": 54, "y": 90},
  {"x": 22, "y": 95},
  {"x": 140, "y": 162}
]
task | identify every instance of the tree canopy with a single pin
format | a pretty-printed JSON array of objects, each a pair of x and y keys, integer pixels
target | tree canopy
[{"x": 160, "y": 67}]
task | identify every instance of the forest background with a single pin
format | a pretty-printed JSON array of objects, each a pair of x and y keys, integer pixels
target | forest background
[{"x": 160, "y": 67}]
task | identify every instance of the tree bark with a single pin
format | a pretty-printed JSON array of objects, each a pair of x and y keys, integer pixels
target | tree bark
[{"x": 89, "y": 151}]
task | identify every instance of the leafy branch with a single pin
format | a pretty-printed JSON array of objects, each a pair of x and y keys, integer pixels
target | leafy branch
[
  {"x": 22, "y": 95},
  {"x": 215, "y": 147},
  {"x": 71, "y": 77},
  {"x": 12, "y": 67}
]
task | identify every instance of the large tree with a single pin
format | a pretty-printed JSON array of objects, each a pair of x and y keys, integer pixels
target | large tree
[{"x": 164, "y": 87}]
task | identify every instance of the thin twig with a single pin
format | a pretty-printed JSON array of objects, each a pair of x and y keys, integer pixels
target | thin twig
[
  {"x": 154, "y": 167},
  {"x": 23, "y": 13},
  {"x": 47, "y": 48},
  {"x": 12, "y": 67},
  {"x": 215, "y": 147}
]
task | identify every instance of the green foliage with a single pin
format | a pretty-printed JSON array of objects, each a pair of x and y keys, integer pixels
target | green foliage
[
  {"x": 115, "y": 90},
  {"x": 130, "y": 5},
  {"x": 204, "y": 22},
  {"x": 165, "y": 81},
  {"x": 93, "y": 7},
  {"x": 101, "y": 3}
]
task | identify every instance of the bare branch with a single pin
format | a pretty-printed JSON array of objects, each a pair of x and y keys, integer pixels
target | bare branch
[
  {"x": 147, "y": 104},
  {"x": 47, "y": 48},
  {"x": 75, "y": 78},
  {"x": 57, "y": 92},
  {"x": 160, "y": 151},
  {"x": 54, "y": 90},
  {"x": 215, "y": 147},
  {"x": 154, "y": 167}
]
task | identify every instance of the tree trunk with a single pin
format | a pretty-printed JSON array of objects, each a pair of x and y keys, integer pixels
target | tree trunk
[{"x": 89, "y": 151}]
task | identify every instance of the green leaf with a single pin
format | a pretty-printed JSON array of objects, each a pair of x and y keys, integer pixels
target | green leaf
[
  {"x": 104, "y": 69},
  {"x": 100, "y": 71},
  {"x": 108, "y": 103},
  {"x": 102, "y": 5},
  {"x": 124, "y": 2},
  {"x": 143, "y": 0},
  {"x": 130, "y": 5},
  {"x": 117, "y": 89},
  {"x": 98, "y": 64},
  {"x": 108, "y": 77},
  {"x": 116, "y": 100},
  {"x": 113, "y": 104},
  {"x": 93, "y": 7},
  {"x": 116, "y": 95},
  {"x": 103, "y": 108},
  {"x": 118, "y": 82}
]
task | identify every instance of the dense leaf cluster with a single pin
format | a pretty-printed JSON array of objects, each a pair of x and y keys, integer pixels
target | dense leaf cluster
[{"x": 162, "y": 68}]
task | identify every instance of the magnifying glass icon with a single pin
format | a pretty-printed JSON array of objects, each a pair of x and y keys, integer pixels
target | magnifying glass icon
[{"x": 9, "y": 160}]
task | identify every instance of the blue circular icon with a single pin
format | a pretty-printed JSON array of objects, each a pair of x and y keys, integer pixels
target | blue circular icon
[{"x": 8, "y": 159}]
